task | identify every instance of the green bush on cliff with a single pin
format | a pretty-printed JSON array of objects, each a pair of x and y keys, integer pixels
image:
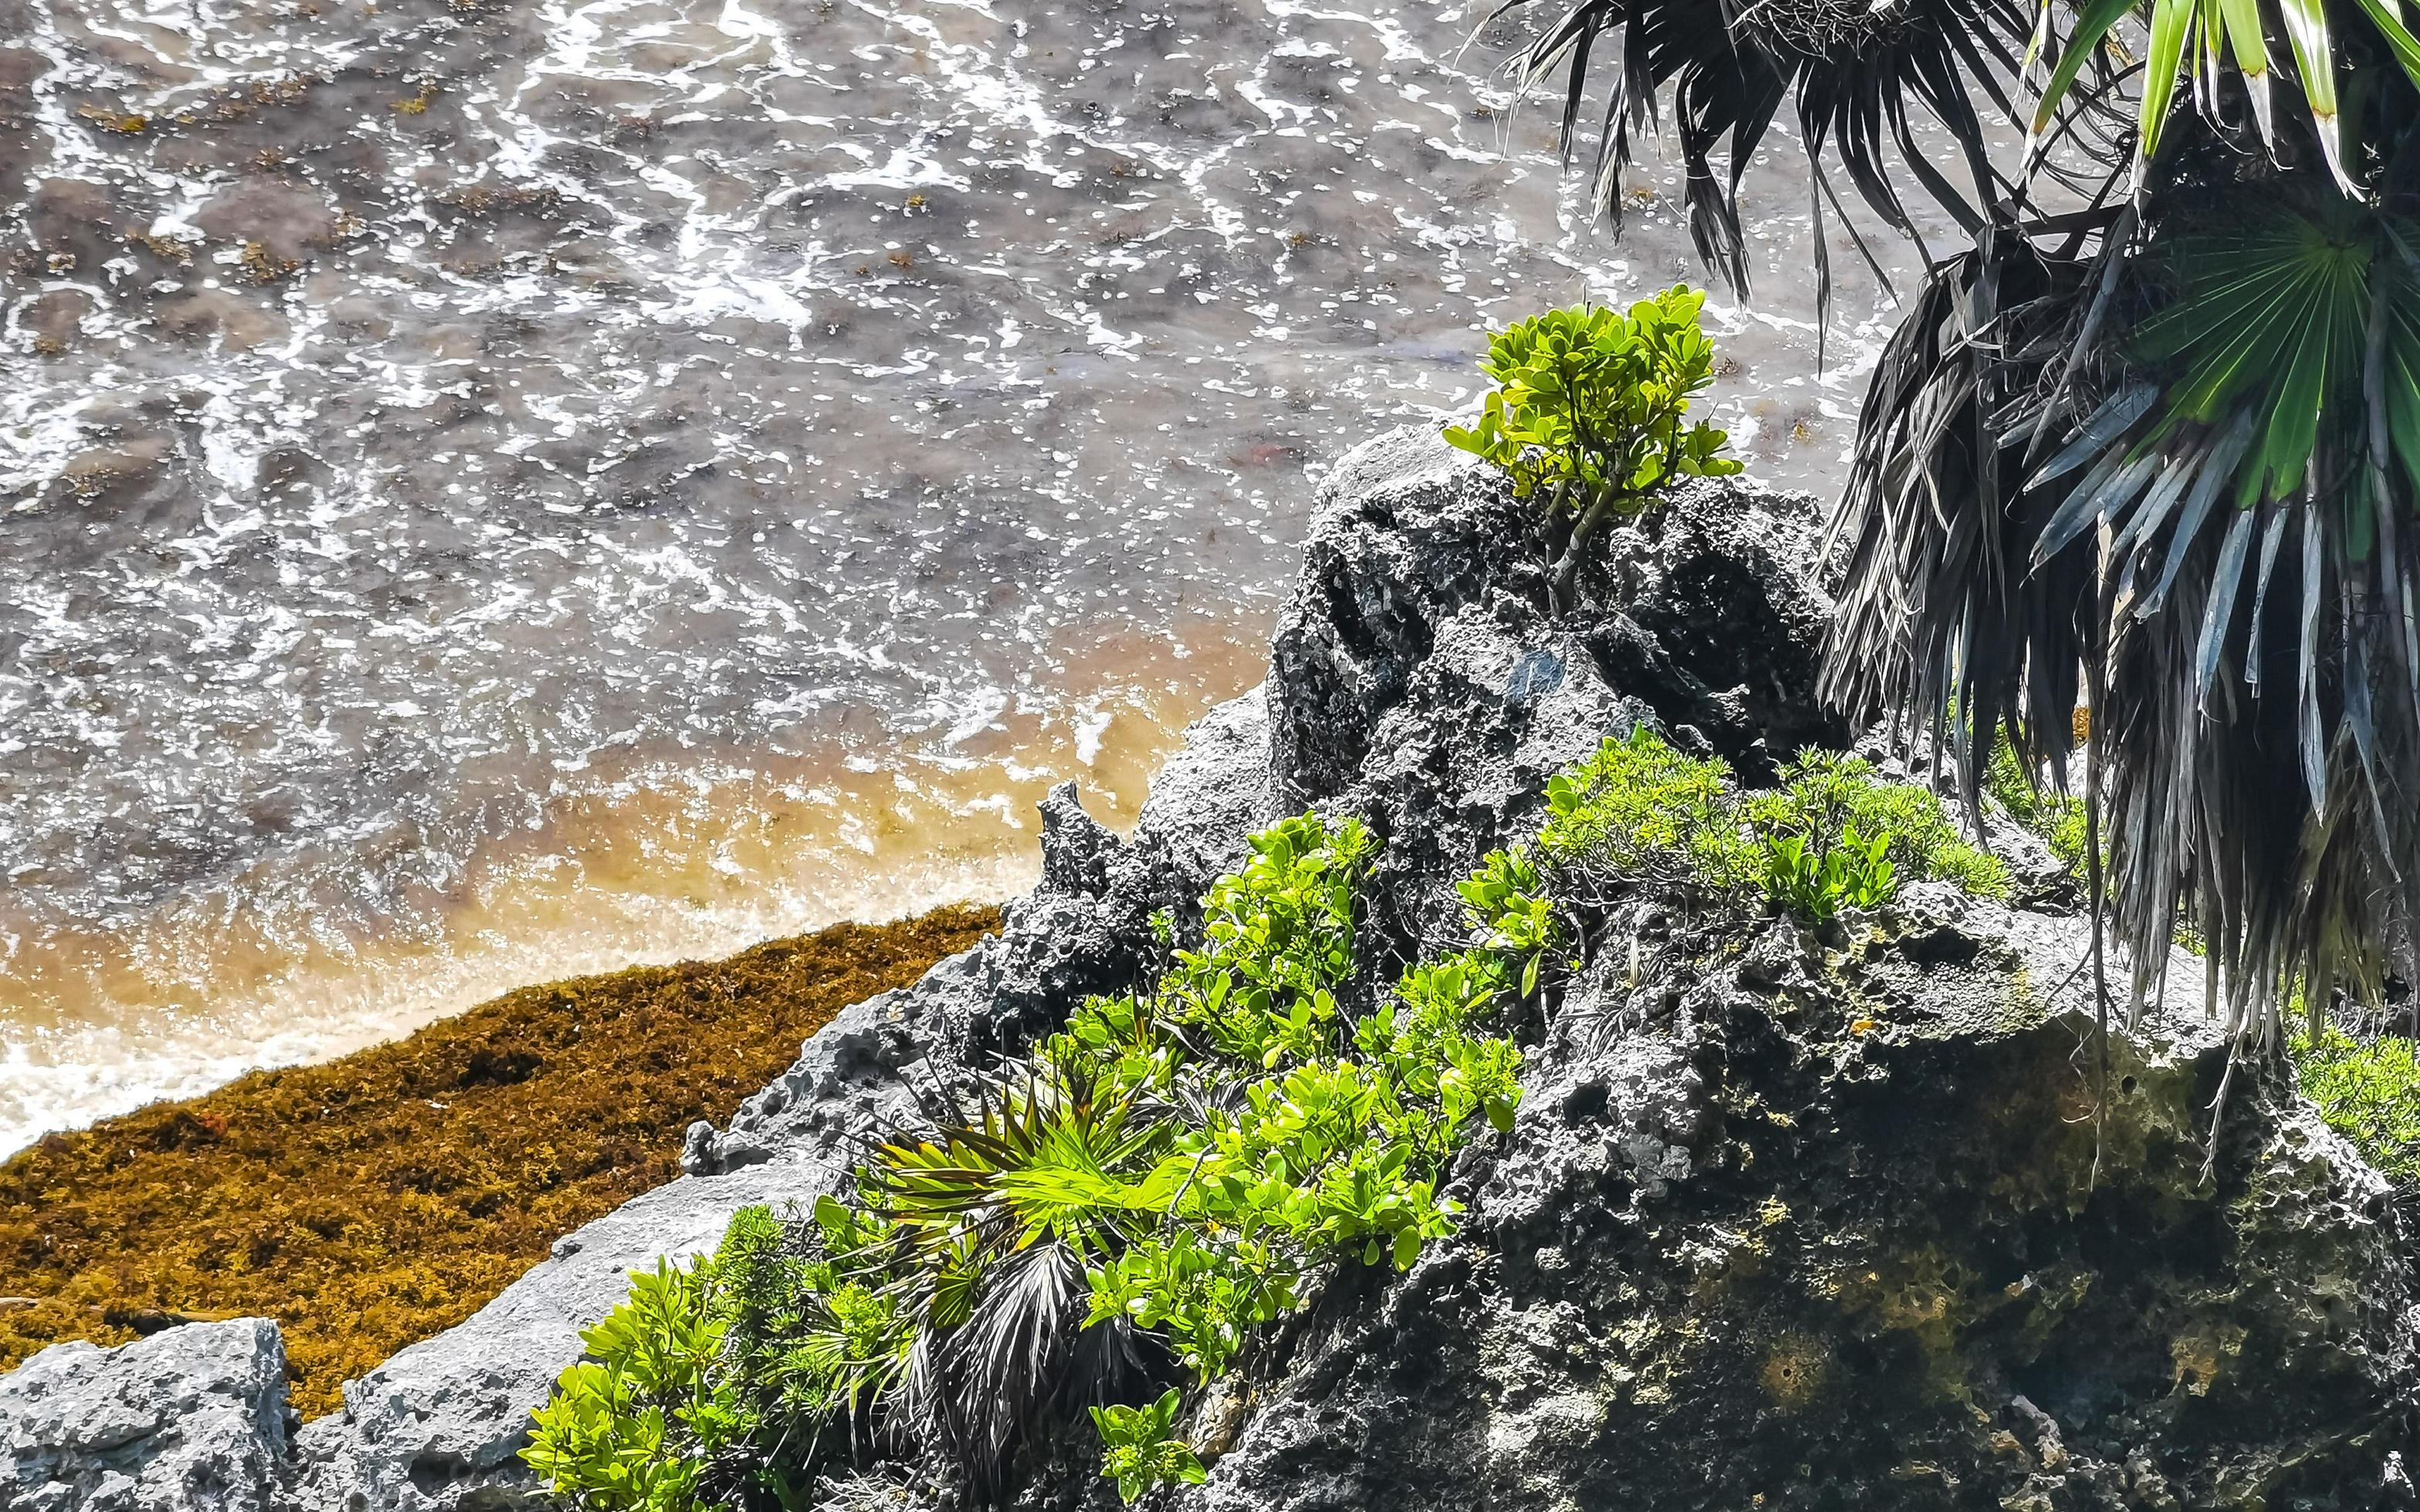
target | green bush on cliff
[
  {"x": 1586, "y": 413},
  {"x": 1141, "y": 1449},
  {"x": 1831, "y": 836},
  {"x": 2370, "y": 1094},
  {"x": 1167, "y": 1173},
  {"x": 632, "y": 1425}
]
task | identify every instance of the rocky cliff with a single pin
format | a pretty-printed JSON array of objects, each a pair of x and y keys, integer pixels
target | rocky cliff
[{"x": 1788, "y": 1218}]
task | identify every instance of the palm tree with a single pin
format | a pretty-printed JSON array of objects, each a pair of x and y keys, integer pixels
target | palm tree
[{"x": 2155, "y": 430}]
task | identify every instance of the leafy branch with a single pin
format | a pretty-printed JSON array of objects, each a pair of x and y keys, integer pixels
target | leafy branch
[{"x": 1587, "y": 414}]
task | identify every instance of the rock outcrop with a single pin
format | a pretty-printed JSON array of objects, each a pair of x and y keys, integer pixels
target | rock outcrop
[
  {"x": 1796, "y": 1222},
  {"x": 192, "y": 1417},
  {"x": 1787, "y": 1219},
  {"x": 1415, "y": 678}
]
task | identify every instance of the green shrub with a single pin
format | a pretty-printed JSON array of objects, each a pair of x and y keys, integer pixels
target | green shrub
[
  {"x": 2056, "y": 817},
  {"x": 1505, "y": 901},
  {"x": 2369, "y": 1093},
  {"x": 1587, "y": 412},
  {"x": 1831, "y": 836},
  {"x": 1141, "y": 1450},
  {"x": 1175, "y": 1167},
  {"x": 632, "y": 1427},
  {"x": 1277, "y": 939},
  {"x": 1831, "y": 800},
  {"x": 1643, "y": 809}
]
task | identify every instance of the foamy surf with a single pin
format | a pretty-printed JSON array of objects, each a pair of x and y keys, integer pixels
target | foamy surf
[
  {"x": 631, "y": 861},
  {"x": 466, "y": 469}
]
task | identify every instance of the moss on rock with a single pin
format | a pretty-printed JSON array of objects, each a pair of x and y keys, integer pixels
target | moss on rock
[{"x": 380, "y": 1199}]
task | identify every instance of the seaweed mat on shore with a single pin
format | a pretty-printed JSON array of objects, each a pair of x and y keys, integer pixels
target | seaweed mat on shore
[{"x": 371, "y": 1201}]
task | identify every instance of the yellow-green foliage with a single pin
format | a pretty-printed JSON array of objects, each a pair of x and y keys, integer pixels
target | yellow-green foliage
[
  {"x": 1831, "y": 835},
  {"x": 1824, "y": 794},
  {"x": 1179, "y": 1163},
  {"x": 1588, "y": 402},
  {"x": 1640, "y": 808},
  {"x": 374, "y": 1200},
  {"x": 605, "y": 1437},
  {"x": 1140, "y": 1448},
  {"x": 2369, "y": 1093}
]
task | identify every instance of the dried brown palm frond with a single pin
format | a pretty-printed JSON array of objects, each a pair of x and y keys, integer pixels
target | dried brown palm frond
[
  {"x": 2262, "y": 758},
  {"x": 1943, "y": 615},
  {"x": 1858, "y": 78},
  {"x": 2220, "y": 539}
]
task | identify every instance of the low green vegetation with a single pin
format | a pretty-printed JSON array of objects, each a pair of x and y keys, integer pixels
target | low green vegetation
[
  {"x": 2056, "y": 817},
  {"x": 1832, "y": 836},
  {"x": 2369, "y": 1092},
  {"x": 1170, "y": 1173},
  {"x": 1141, "y": 1450},
  {"x": 1099, "y": 1228},
  {"x": 1587, "y": 412}
]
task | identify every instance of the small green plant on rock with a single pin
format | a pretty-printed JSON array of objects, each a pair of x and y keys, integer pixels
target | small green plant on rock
[
  {"x": 1878, "y": 830},
  {"x": 1642, "y": 810},
  {"x": 1586, "y": 413},
  {"x": 1141, "y": 1450},
  {"x": 2370, "y": 1094},
  {"x": 1816, "y": 881},
  {"x": 1833, "y": 835}
]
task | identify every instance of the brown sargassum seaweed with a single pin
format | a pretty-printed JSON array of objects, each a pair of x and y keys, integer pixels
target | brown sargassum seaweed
[{"x": 376, "y": 1200}]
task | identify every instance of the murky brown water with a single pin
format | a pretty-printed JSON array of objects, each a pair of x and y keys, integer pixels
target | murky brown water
[{"x": 491, "y": 490}]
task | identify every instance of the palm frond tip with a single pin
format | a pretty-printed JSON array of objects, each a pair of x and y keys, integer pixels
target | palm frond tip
[{"x": 2223, "y": 529}]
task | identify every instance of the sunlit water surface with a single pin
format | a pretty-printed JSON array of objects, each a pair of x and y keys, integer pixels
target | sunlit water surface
[{"x": 489, "y": 491}]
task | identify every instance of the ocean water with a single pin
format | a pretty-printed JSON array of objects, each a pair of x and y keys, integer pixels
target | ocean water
[{"x": 495, "y": 490}]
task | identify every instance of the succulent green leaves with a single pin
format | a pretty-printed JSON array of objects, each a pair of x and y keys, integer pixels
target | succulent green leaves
[{"x": 1587, "y": 414}]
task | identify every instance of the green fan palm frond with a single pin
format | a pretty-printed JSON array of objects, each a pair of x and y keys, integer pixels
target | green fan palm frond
[
  {"x": 2192, "y": 44},
  {"x": 1054, "y": 1155},
  {"x": 998, "y": 1210},
  {"x": 2221, "y": 532},
  {"x": 1023, "y": 1364}
]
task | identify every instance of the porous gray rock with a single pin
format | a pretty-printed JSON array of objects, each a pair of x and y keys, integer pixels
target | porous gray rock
[
  {"x": 192, "y": 1417},
  {"x": 1077, "y": 848},
  {"x": 1204, "y": 803},
  {"x": 1814, "y": 1220},
  {"x": 1419, "y": 680},
  {"x": 1709, "y": 611}
]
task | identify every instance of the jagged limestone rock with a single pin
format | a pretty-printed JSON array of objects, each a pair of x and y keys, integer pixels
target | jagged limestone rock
[
  {"x": 192, "y": 1417},
  {"x": 1792, "y": 1220},
  {"x": 1418, "y": 679}
]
